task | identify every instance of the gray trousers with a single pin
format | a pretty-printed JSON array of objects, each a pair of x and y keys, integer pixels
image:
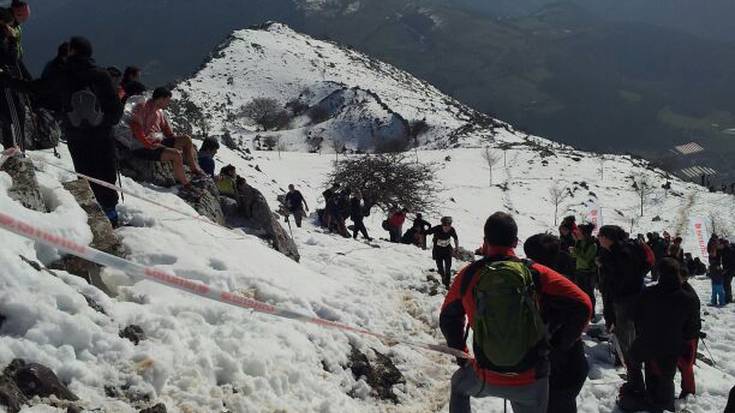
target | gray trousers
[
  {"x": 625, "y": 326},
  {"x": 532, "y": 398}
]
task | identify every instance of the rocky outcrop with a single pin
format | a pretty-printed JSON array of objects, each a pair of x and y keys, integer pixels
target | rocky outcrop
[
  {"x": 21, "y": 382},
  {"x": 162, "y": 174},
  {"x": 159, "y": 408},
  {"x": 256, "y": 217},
  {"x": 134, "y": 333},
  {"x": 25, "y": 186},
  {"x": 379, "y": 372},
  {"x": 103, "y": 237}
]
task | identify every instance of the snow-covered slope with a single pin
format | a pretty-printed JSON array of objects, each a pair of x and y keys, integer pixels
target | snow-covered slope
[{"x": 275, "y": 62}]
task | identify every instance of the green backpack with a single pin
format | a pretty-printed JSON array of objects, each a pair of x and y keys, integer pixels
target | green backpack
[{"x": 507, "y": 322}]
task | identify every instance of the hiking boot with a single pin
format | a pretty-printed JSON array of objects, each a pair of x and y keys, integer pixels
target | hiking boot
[{"x": 111, "y": 214}]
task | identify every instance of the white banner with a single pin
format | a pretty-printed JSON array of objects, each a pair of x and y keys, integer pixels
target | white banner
[
  {"x": 594, "y": 216},
  {"x": 701, "y": 237}
]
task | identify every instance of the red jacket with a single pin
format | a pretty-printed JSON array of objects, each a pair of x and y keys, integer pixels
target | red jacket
[
  {"x": 564, "y": 307},
  {"x": 397, "y": 219}
]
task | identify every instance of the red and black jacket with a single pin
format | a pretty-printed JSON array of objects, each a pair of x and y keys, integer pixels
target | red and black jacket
[{"x": 565, "y": 308}]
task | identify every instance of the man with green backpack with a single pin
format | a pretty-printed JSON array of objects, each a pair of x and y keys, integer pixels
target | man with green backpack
[{"x": 503, "y": 298}]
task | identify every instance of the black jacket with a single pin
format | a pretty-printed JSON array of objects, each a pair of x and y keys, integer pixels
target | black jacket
[
  {"x": 692, "y": 330},
  {"x": 622, "y": 275},
  {"x": 664, "y": 315},
  {"x": 728, "y": 258},
  {"x": 357, "y": 212}
]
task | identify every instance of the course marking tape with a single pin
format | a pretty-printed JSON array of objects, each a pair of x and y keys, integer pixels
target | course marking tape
[{"x": 169, "y": 279}]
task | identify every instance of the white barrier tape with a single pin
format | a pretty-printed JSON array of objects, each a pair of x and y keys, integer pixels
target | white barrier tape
[{"x": 27, "y": 230}]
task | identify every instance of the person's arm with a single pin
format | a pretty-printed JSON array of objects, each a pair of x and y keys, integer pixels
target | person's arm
[
  {"x": 456, "y": 238},
  {"x": 453, "y": 315},
  {"x": 566, "y": 306},
  {"x": 166, "y": 127},
  {"x": 109, "y": 102},
  {"x": 432, "y": 230},
  {"x": 306, "y": 206}
]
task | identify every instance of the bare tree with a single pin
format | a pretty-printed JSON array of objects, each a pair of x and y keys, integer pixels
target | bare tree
[
  {"x": 267, "y": 113},
  {"x": 644, "y": 189},
  {"x": 280, "y": 147},
  {"x": 388, "y": 180},
  {"x": 557, "y": 195},
  {"x": 491, "y": 159}
]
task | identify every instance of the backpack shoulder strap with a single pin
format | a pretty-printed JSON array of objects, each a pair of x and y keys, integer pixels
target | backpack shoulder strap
[{"x": 472, "y": 270}]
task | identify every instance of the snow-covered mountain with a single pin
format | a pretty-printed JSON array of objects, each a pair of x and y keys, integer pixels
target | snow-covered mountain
[
  {"x": 200, "y": 356},
  {"x": 361, "y": 102}
]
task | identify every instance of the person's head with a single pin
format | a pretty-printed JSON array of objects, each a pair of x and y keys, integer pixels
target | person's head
[
  {"x": 649, "y": 236},
  {"x": 115, "y": 74},
  {"x": 446, "y": 223},
  {"x": 667, "y": 236},
  {"x": 688, "y": 256},
  {"x": 161, "y": 97},
  {"x": 62, "y": 52},
  {"x": 21, "y": 11},
  {"x": 501, "y": 231},
  {"x": 209, "y": 146},
  {"x": 669, "y": 273},
  {"x": 585, "y": 230},
  {"x": 564, "y": 231},
  {"x": 134, "y": 88},
  {"x": 6, "y": 16},
  {"x": 80, "y": 46},
  {"x": 677, "y": 240},
  {"x": 419, "y": 216},
  {"x": 132, "y": 73},
  {"x": 610, "y": 235},
  {"x": 543, "y": 249},
  {"x": 228, "y": 170},
  {"x": 291, "y": 188}
]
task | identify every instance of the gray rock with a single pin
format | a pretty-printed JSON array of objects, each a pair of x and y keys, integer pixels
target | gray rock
[
  {"x": 156, "y": 173},
  {"x": 254, "y": 213},
  {"x": 34, "y": 379},
  {"x": 208, "y": 203},
  {"x": 25, "y": 186},
  {"x": 380, "y": 373},
  {"x": 10, "y": 395},
  {"x": 159, "y": 408},
  {"x": 134, "y": 333}
]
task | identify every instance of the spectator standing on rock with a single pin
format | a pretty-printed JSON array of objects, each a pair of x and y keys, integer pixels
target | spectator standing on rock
[
  {"x": 296, "y": 204},
  {"x": 728, "y": 267},
  {"x": 12, "y": 110},
  {"x": 205, "y": 157},
  {"x": 227, "y": 181},
  {"x": 675, "y": 250},
  {"x": 130, "y": 79},
  {"x": 443, "y": 249},
  {"x": 566, "y": 230},
  {"x": 331, "y": 208},
  {"x": 504, "y": 299},
  {"x": 357, "y": 215},
  {"x": 157, "y": 142},
  {"x": 584, "y": 253},
  {"x": 421, "y": 226},
  {"x": 56, "y": 65},
  {"x": 91, "y": 110},
  {"x": 569, "y": 366}
]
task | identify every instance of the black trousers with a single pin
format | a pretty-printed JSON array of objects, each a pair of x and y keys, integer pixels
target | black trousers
[
  {"x": 568, "y": 373},
  {"x": 94, "y": 155},
  {"x": 359, "y": 227},
  {"x": 728, "y": 286},
  {"x": 659, "y": 380},
  {"x": 443, "y": 259},
  {"x": 587, "y": 280}
]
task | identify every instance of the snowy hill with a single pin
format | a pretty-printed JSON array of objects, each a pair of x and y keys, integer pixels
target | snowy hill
[
  {"x": 376, "y": 102},
  {"x": 200, "y": 356}
]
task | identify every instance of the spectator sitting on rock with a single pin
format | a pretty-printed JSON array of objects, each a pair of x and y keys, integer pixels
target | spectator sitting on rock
[
  {"x": 227, "y": 181},
  {"x": 209, "y": 148},
  {"x": 157, "y": 142}
]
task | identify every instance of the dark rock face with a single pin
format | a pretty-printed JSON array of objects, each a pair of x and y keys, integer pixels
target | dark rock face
[
  {"x": 25, "y": 186},
  {"x": 10, "y": 395},
  {"x": 133, "y": 333},
  {"x": 380, "y": 373},
  {"x": 254, "y": 213},
  {"x": 34, "y": 379},
  {"x": 162, "y": 174},
  {"x": 159, "y": 408}
]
